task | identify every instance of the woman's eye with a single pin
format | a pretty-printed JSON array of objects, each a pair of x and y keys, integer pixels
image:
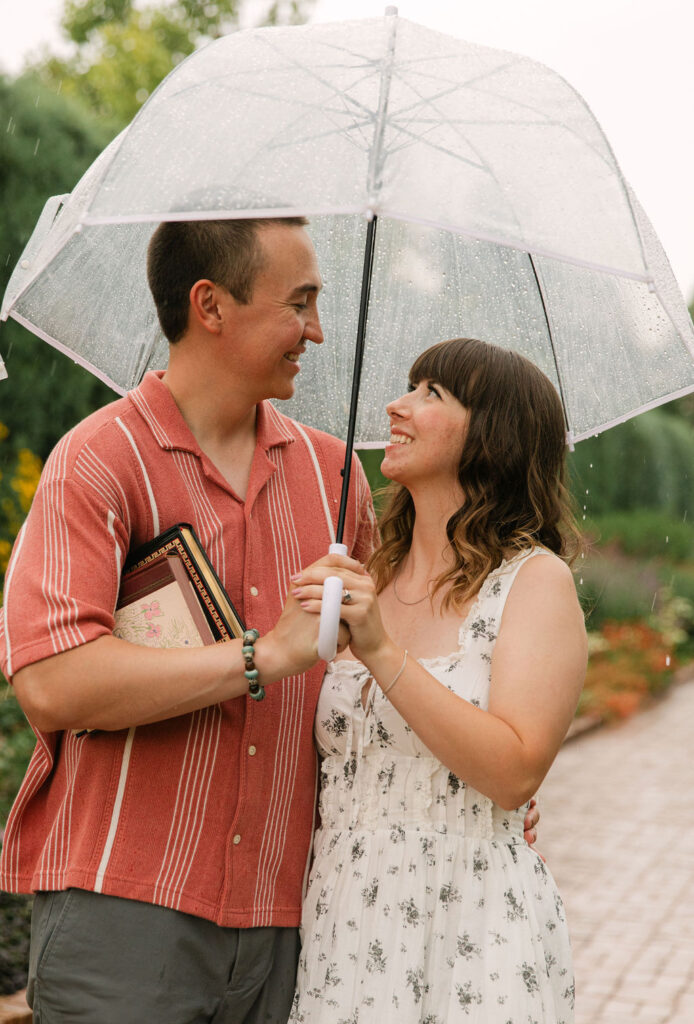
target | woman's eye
[
  {"x": 411, "y": 387},
  {"x": 434, "y": 390}
]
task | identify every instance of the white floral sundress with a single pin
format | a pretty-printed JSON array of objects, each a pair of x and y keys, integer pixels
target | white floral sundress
[{"x": 424, "y": 902}]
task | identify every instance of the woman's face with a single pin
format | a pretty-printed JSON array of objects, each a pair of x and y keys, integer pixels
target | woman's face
[{"x": 427, "y": 431}]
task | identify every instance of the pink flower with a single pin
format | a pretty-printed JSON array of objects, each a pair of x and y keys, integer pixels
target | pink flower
[{"x": 151, "y": 609}]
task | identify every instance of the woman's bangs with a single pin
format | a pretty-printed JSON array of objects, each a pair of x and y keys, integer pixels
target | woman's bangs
[{"x": 450, "y": 363}]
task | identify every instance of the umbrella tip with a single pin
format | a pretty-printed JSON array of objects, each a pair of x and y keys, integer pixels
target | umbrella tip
[{"x": 391, "y": 12}]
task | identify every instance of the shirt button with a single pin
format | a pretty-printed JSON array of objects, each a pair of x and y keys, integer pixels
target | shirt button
[
  {"x": 251, "y": 750},
  {"x": 254, "y": 591},
  {"x": 237, "y": 840}
]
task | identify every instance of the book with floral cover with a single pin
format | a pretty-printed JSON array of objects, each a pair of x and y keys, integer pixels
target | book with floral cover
[{"x": 170, "y": 595}]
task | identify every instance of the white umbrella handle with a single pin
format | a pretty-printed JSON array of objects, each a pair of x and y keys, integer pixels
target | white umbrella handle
[{"x": 330, "y": 610}]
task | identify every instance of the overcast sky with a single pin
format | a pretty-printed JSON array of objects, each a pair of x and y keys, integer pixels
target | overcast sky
[{"x": 631, "y": 60}]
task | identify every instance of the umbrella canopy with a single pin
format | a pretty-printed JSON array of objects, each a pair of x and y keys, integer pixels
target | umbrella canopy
[{"x": 502, "y": 214}]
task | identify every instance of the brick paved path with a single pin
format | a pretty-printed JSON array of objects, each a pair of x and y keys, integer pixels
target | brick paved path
[{"x": 618, "y": 833}]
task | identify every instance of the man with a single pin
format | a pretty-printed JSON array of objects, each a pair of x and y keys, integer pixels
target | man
[{"x": 169, "y": 846}]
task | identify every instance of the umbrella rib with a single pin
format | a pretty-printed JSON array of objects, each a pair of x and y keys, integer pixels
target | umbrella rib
[
  {"x": 312, "y": 71},
  {"x": 328, "y": 133},
  {"x": 527, "y": 106},
  {"x": 482, "y": 166},
  {"x": 541, "y": 293}
]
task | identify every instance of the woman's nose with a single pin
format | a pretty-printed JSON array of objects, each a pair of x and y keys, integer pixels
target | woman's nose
[{"x": 397, "y": 407}]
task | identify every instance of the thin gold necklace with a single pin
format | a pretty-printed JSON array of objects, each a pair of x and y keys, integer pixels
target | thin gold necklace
[{"x": 408, "y": 603}]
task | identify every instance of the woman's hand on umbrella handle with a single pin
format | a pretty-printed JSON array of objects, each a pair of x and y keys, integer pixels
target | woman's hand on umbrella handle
[{"x": 359, "y": 603}]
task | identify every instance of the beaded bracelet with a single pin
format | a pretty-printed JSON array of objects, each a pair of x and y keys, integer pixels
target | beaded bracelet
[{"x": 255, "y": 690}]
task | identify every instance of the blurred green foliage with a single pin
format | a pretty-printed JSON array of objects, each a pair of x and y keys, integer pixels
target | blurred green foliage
[
  {"x": 48, "y": 144},
  {"x": 122, "y": 50},
  {"x": 645, "y": 463},
  {"x": 645, "y": 533}
]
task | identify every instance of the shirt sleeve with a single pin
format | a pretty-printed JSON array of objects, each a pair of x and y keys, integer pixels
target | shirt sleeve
[{"x": 63, "y": 577}]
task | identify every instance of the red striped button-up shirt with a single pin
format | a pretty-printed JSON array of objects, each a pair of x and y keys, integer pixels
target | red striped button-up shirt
[{"x": 210, "y": 813}]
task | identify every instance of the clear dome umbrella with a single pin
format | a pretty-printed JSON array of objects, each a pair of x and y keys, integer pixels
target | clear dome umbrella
[{"x": 452, "y": 190}]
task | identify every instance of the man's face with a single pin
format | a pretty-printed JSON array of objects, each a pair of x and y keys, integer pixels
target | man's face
[{"x": 267, "y": 337}]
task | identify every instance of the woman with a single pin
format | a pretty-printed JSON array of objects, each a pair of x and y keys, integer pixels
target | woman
[{"x": 469, "y": 651}]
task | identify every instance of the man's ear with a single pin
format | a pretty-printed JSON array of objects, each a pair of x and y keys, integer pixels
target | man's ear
[{"x": 205, "y": 305}]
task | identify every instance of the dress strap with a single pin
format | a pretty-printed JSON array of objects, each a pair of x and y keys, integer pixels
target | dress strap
[{"x": 482, "y": 622}]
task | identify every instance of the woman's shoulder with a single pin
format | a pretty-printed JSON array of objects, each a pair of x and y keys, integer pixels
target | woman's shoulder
[
  {"x": 541, "y": 561},
  {"x": 541, "y": 578}
]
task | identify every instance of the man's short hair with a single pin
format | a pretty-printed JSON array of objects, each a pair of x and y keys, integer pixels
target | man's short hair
[{"x": 227, "y": 252}]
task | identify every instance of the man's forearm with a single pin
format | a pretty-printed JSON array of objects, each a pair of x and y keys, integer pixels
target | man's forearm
[{"x": 112, "y": 684}]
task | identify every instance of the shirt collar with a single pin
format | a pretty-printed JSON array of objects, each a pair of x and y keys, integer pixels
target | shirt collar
[{"x": 156, "y": 405}]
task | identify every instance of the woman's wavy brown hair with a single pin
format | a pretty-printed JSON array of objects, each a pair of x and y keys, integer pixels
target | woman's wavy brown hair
[{"x": 511, "y": 470}]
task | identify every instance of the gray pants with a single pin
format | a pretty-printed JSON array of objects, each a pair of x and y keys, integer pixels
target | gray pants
[{"x": 104, "y": 960}]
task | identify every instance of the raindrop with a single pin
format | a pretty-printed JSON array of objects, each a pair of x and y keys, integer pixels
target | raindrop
[
  {"x": 60, "y": 88},
  {"x": 667, "y": 540},
  {"x": 653, "y": 601},
  {"x": 10, "y": 125},
  {"x": 36, "y": 101},
  {"x": 581, "y": 581},
  {"x": 667, "y": 660},
  {"x": 684, "y": 516},
  {"x": 590, "y": 465},
  {"x": 587, "y": 492},
  {"x": 36, "y": 147}
]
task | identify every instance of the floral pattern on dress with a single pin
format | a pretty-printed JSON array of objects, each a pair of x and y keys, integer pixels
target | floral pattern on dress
[{"x": 424, "y": 905}]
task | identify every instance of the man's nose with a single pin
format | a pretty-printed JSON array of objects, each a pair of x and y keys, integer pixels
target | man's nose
[{"x": 313, "y": 330}]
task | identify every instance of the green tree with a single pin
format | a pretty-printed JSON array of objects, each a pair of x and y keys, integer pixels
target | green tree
[
  {"x": 48, "y": 143},
  {"x": 645, "y": 463},
  {"x": 122, "y": 51}
]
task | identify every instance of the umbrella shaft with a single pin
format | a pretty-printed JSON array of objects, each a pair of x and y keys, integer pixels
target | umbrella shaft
[{"x": 356, "y": 375}]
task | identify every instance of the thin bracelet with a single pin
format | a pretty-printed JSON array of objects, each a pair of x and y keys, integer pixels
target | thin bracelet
[
  {"x": 255, "y": 690},
  {"x": 397, "y": 675}
]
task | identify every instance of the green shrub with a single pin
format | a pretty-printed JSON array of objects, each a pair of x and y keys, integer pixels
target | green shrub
[
  {"x": 644, "y": 533},
  {"x": 647, "y": 462},
  {"x": 15, "y": 925},
  {"x": 612, "y": 588},
  {"x": 17, "y": 742}
]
